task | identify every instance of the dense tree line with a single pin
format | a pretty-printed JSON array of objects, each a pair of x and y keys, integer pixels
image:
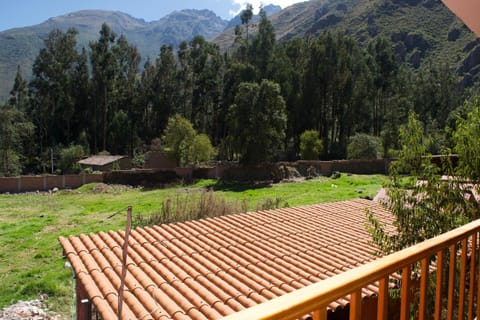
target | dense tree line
[{"x": 253, "y": 102}]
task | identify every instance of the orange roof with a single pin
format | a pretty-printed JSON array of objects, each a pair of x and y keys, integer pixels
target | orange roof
[
  {"x": 214, "y": 267},
  {"x": 468, "y": 11}
]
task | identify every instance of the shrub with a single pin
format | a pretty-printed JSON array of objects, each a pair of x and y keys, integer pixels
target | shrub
[
  {"x": 156, "y": 145},
  {"x": 207, "y": 204},
  {"x": 201, "y": 149},
  {"x": 10, "y": 164},
  {"x": 310, "y": 145},
  {"x": 364, "y": 146},
  {"x": 69, "y": 157},
  {"x": 467, "y": 142},
  {"x": 178, "y": 137},
  {"x": 187, "y": 146},
  {"x": 138, "y": 160}
]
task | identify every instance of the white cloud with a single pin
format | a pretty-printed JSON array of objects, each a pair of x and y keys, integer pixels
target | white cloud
[{"x": 241, "y": 4}]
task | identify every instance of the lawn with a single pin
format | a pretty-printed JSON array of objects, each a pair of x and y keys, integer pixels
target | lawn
[{"x": 31, "y": 261}]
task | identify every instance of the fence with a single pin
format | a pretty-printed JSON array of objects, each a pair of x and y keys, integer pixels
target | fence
[
  {"x": 228, "y": 171},
  {"x": 46, "y": 182}
]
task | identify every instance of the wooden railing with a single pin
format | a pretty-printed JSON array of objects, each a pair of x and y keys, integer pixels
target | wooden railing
[{"x": 450, "y": 261}]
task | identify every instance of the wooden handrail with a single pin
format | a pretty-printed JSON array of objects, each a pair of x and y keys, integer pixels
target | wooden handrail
[{"x": 317, "y": 296}]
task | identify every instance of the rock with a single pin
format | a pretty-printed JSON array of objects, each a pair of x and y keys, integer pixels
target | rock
[
  {"x": 312, "y": 172},
  {"x": 472, "y": 44},
  {"x": 415, "y": 58},
  {"x": 411, "y": 40},
  {"x": 407, "y": 2},
  {"x": 288, "y": 173},
  {"x": 325, "y": 21},
  {"x": 416, "y": 40},
  {"x": 372, "y": 30},
  {"x": 430, "y": 4},
  {"x": 471, "y": 61},
  {"x": 31, "y": 310},
  {"x": 341, "y": 7},
  {"x": 454, "y": 34},
  {"x": 400, "y": 51}
]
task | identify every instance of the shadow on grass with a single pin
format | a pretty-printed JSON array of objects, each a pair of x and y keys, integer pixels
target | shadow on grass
[
  {"x": 239, "y": 186},
  {"x": 219, "y": 185}
]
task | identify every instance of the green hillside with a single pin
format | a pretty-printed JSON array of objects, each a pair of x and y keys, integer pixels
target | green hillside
[
  {"x": 421, "y": 30},
  {"x": 21, "y": 46}
]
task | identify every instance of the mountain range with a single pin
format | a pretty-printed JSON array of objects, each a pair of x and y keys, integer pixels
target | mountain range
[
  {"x": 20, "y": 46},
  {"x": 421, "y": 31}
]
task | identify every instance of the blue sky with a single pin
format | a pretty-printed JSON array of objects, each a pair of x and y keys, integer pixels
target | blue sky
[{"x": 21, "y": 13}]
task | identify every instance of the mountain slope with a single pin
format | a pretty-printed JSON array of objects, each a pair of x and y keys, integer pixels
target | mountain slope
[
  {"x": 269, "y": 10},
  {"x": 20, "y": 46},
  {"x": 421, "y": 30}
]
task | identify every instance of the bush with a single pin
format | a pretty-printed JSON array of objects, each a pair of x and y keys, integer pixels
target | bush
[
  {"x": 201, "y": 149},
  {"x": 364, "y": 146},
  {"x": 10, "y": 165},
  {"x": 194, "y": 206},
  {"x": 138, "y": 160},
  {"x": 178, "y": 137},
  {"x": 467, "y": 142},
  {"x": 310, "y": 145},
  {"x": 69, "y": 157},
  {"x": 187, "y": 146}
]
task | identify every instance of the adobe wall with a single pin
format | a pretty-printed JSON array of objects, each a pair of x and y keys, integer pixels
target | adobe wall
[
  {"x": 46, "y": 182},
  {"x": 90, "y": 178},
  {"x": 54, "y": 182},
  {"x": 301, "y": 169},
  {"x": 159, "y": 160},
  {"x": 359, "y": 166},
  {"x": 10, "y": 185},
  {"x": 214, "y": 172},
  {"x": 227, "y": 171},
  {"x": 125, "y": 163},
  {"x": 144, "y": 177}
]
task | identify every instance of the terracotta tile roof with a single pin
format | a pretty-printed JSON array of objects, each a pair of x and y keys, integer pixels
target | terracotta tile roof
[{"x": 214, "y": 267}]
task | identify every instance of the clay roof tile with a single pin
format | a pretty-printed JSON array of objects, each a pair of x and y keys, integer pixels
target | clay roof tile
[{"x": 213, "y": 267}]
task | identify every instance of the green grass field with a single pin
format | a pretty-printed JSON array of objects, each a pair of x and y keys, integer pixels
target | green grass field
[{"x": 31, "y": 261}]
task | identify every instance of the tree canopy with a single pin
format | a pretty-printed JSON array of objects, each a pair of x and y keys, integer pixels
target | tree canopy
[
  {"x": 253, "y": 102},
  {"x": 257, "y": 121},
  {"x": 430, "y": 199}
]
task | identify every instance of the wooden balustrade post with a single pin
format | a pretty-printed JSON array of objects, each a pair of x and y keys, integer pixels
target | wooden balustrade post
[
  {"x": 382, "y": 307},
  {"x": 463, "y": 279},
  {"x": 473, "y": 277},
  {"x": 451, "y": 281},
  {"x": 438, "y": 286},
  {"x": 422, "y": 314},
  {"x": 356, "y": 305},
  {"x": 405, "y": 295},
  {"x": 320, "y": 314}
]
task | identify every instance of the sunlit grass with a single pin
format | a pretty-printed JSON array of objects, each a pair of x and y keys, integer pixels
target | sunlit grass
[{"x": 31, "y": 261}]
